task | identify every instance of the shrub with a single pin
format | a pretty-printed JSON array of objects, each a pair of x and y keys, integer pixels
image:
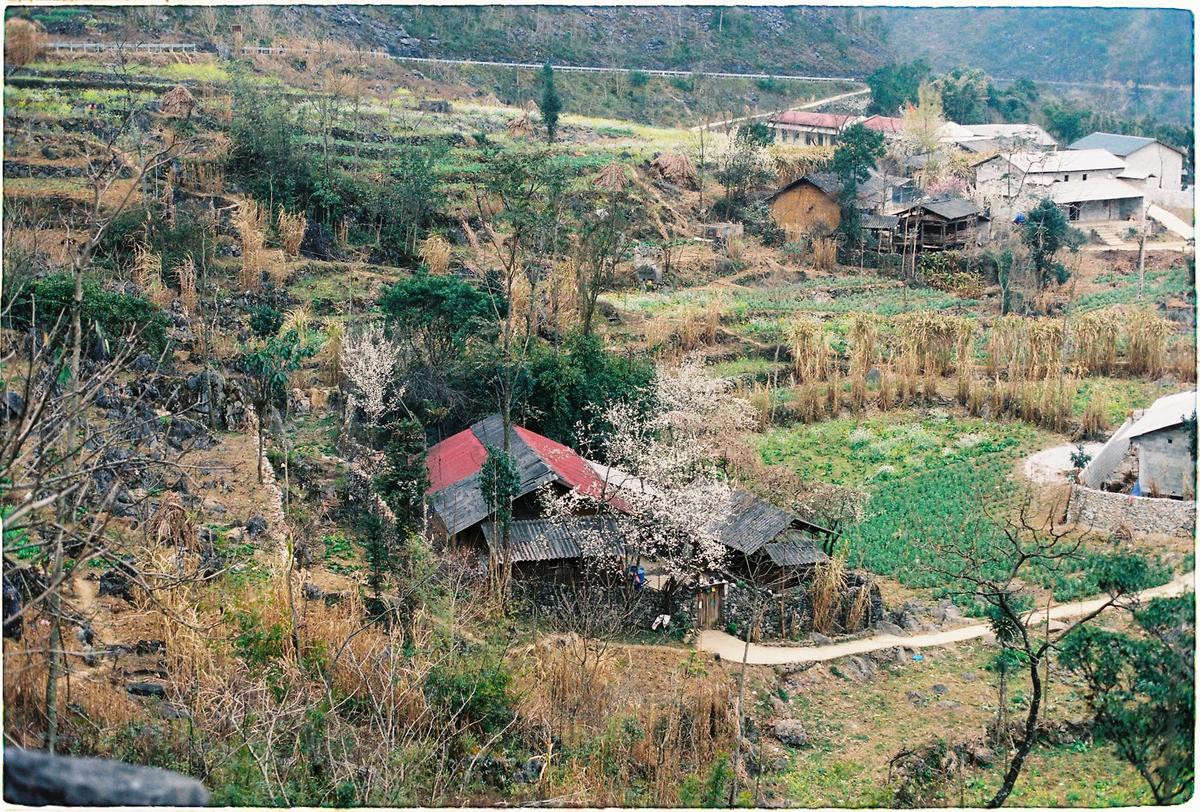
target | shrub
[
  {"x": 110, "y": 313},
  {"x": 445, "y": 309},
  {"x": 265, "y": 321},
  {"x": 470, "y": 694},
  {"x": 638, "y": 78}
]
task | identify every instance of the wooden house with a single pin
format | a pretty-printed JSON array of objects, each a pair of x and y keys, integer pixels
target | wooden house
[
  {"x": 940, "y": 225},
  {"x": 462, "y": 519}
]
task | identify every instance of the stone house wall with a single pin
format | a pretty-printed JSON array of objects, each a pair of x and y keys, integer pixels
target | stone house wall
[
  {"x": 1107, "y": 511},
  {"x": 1166, "y": 467}
]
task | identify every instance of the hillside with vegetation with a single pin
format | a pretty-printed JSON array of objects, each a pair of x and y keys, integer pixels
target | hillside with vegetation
[
  {"x": 245, "y": 294},
  {"x": 1122, "y": 45}
]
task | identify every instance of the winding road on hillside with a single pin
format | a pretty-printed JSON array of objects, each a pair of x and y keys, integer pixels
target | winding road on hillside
[
  {"x": 806, "y": 106},
  {"x": 731, "y": 648}
]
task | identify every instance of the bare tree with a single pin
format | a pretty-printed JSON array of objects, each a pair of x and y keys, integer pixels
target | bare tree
[{"x": 993, "y": 561}]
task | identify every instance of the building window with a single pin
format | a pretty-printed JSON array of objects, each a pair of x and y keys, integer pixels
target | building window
[
  {"x": 1085, "y": 175},
  {"x": 1066, "y": 177}
]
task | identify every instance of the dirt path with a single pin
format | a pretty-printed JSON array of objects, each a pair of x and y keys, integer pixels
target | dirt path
[
  {"x": 1050, "y": 465},
  {"x": 806, "y": 106},
  {"x": 731, "y": 648}
]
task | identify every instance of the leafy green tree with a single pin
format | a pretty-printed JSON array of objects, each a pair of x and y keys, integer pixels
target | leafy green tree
[
  {"x": 405, "y": 207},
  {"x": 270, "y": 366},
  {"x": 437, "y": 315},
  {"x": 397, "y": 550},
  {"x": 107, "y": 315},
  {"x": 1140, "y": 690},
  {"x": 893, "y": 86},
  {"x": 404, "y": 478},
  {"x": 857, "y": 153},
  {"x": 964, "y": 95},
  {"x": 1045, "y": 232},
  {"x": 551, "y": 104},
  {"x": 758, "y": 132},
  {"x": 500, "y": 482},
  {"x": 740, "y": 170},
  {"x": 265, "y": 154},
  {"x": 576, "y": 384},
  {"x": 1014, "y": 103}
]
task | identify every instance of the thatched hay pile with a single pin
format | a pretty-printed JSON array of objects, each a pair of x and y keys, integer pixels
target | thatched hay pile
[
  {"x": 675, "y": 168},
  {"x": 178, "y": 103},
  {"x": 611, "y": 178},
  {"x": 521, "y": 126}
]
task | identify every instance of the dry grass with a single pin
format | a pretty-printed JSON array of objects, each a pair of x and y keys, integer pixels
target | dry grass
[
  {"x": 1094, "y": 343},
  {"x": 186, "y": 274},
  {"x": 676, "y": 169},
  {"x": 178, "y": 102},
  {"x": 1094, "y": 424},
  {"x": 298, "y": 319},
  {"x": 1148, "y": 334},
  {"x": 824, "y": 253},
  {"x": 812, "y": 358},
  {"x": 825, "y": 594},
  {"x": 435, "y": 253},
  {"x": 291, "y": 231},
  {"x": 1183, "y": 359},
  {"x": 329, "y": 357},
  {"x": 251, "y": 223}
]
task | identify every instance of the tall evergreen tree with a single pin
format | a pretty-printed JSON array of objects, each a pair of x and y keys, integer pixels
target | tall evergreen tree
[{"x": 551, "y": 104}]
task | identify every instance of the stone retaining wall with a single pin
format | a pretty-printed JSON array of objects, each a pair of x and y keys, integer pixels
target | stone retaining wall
[{"x": 1108, "y": 511}]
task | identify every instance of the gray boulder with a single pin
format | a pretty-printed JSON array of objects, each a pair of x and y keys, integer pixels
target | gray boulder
[
  {"x": 791, "y": 732},
  {"x": 37, "y": 778}
]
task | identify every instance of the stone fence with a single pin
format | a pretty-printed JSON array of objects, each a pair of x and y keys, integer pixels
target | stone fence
[{"x": 1110, "y": 512}]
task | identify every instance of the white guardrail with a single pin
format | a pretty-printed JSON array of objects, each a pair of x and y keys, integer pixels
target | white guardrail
[{"x": 276, "y": 51}]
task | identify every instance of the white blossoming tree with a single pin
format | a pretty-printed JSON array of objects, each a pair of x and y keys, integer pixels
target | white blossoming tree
[
  {"x": 663, "y": 498},
  {"x": 369, "y": 361}
]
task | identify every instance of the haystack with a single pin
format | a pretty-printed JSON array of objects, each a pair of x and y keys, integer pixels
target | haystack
[
  {"x": 521, "y": 126},
  {"x": 674, "y": 168},
  {"x": 178, "y": 103},
  {"x": 611, "y": 178}
]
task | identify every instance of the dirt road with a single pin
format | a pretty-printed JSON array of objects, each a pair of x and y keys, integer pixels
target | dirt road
[
  {"x": 730, "y": 648},
  {"x": 806, "y": 106}
]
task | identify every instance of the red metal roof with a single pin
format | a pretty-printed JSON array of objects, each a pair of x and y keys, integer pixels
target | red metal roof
[
  {"x": 571, "y": 468},
  {"x": 803, "y": 118},
  {"x": 462, "y": 455},
  {"x": 884, "y": 124},
  {"x": 454, "y": 459}
]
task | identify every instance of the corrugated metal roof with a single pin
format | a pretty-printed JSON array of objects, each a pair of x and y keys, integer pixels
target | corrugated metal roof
[
  {"x": 1013, "y": 132},
  {"x": 793, "y": 549},
  {"x": 1122, "y": 145},
  {"x": 883, "y": 124},
  {"x": 879, "y": 222},
  {"x": 1078, "y": 191},
  {"x": 453, "y": 459},
  {"x": 1071, "y": 160},
  {"x": 804, "y": 118},
  {"x": 545, "y": 540},
  {"x": 1163, "y": 413},
  {"x": 750, "y": 523},
  {"x": 454, "y": 465},
  {"x": 952, "y": 208},
  {"x": 572, "y": 469}
]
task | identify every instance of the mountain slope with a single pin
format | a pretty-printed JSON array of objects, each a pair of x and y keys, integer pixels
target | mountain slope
[{"x": 1149, "y": 46}]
